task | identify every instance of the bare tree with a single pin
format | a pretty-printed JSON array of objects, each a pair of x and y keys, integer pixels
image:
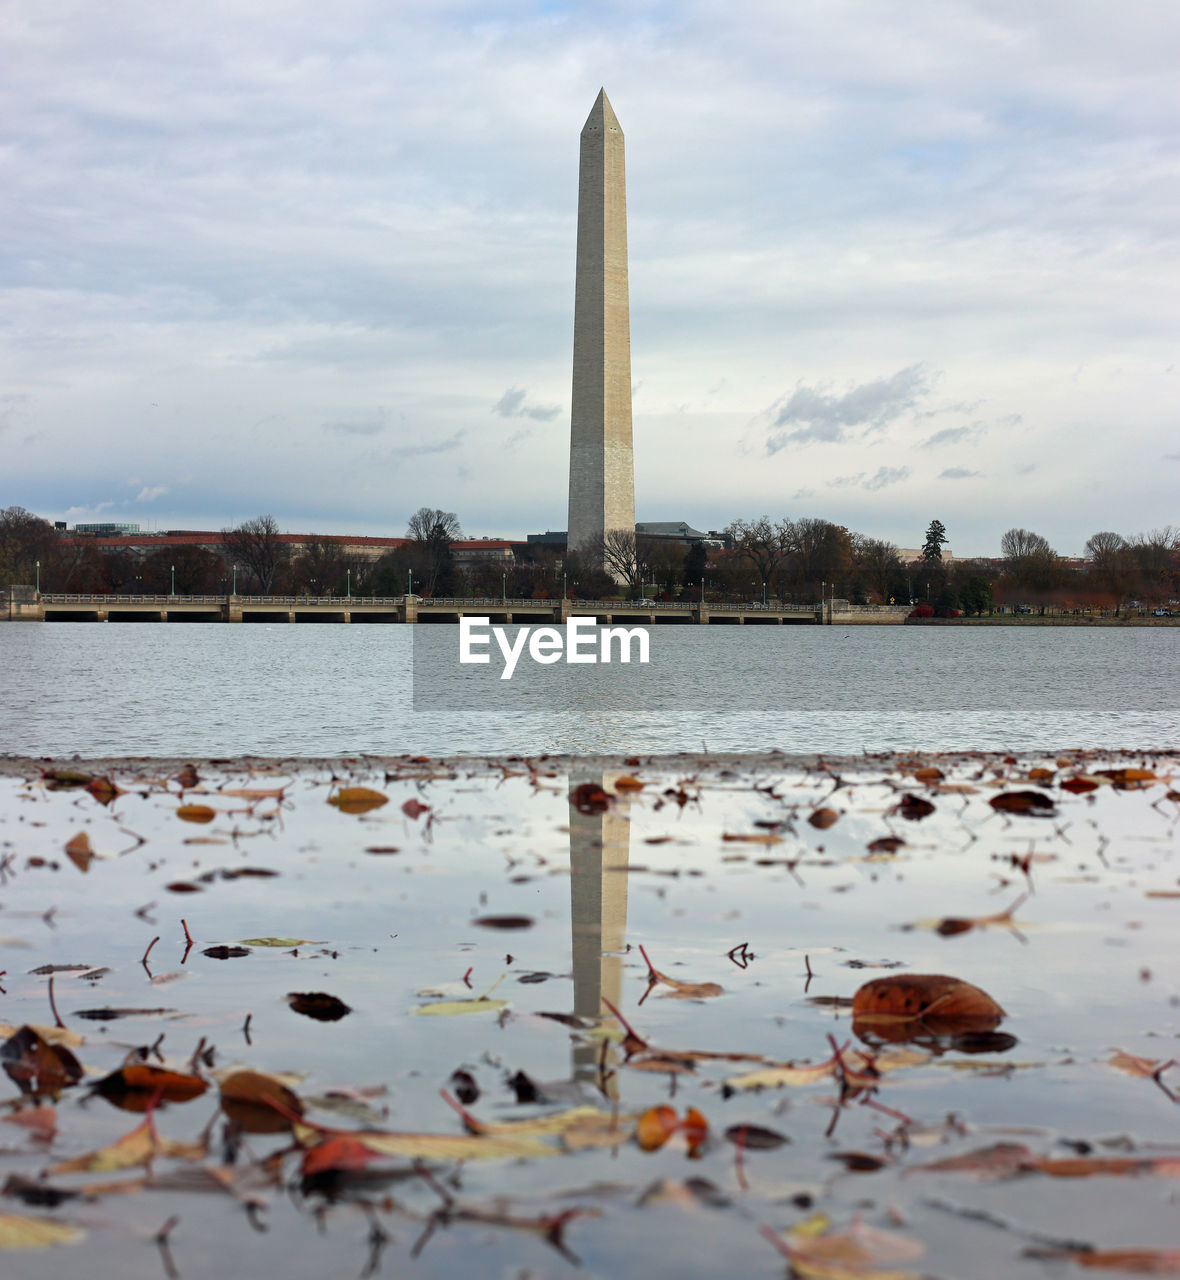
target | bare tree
[
  {"x": 765, "y": 545},
  {"x": 878, "y": 564},
  {"x": 1030, "y": 560},
  {"x": 619, "y": 554},
  {"x": 431, "y": 532},
  {"x": 24, "y": 539},
  {"x": 1111, "y": 563},
  {"x": 258, "y": 545}
]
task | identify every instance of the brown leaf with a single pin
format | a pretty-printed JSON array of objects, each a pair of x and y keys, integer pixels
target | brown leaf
[
  {"x": 104, "y": 790},
  {"x": 140, "y": 1082},
  {"x": 1135, "y": 1066},
  {"x": 589, "y": 798},
  {"x": 358, "y": 799},
  {"x": 754, "y": 1137},
  {"x": 1139, "y": 1262},
  {"x": 628, "y": 783},
  {"x": 886, "y": 844},
  {"x": 929, "y": 1002},
  {"x": 414, "y": 808},
  {"x": 913, "y": 807},
  {"x": 36, "y": 1066},
  {"x": 1129, "y": 779},
  {"x": 196, "y": 813},
  {"x": 823, "y": 818},
  {"x": 1036, "y": 802},
  {"x": 41, "y": 1121},
  {"x": 246, "y": 1097},
  {"x": 504, "y": 922},
  {"x": 319, "y": 1005},
  {"x": 79, "y": 851},
  {"x": 1079, "y": 785}
]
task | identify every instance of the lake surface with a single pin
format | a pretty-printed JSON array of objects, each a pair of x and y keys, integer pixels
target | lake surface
[
  {"x": 101, "y": 690},
  {"x": 488, "y": 917}
]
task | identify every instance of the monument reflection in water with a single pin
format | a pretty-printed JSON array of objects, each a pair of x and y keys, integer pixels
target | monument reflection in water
[{"x": 600, "y": 845}]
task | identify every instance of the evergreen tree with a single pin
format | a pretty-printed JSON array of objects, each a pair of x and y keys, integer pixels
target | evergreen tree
[{"x": 935, "y": 539}]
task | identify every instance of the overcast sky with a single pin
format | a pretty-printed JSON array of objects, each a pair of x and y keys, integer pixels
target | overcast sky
[{"x": 890, "y": 260}]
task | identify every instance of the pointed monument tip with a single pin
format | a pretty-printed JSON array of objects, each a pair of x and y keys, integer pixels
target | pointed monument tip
[{"x": 602, "y": 116}]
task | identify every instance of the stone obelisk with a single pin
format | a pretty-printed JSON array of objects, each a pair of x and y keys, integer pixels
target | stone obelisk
[{"x": 602, "y": 469}]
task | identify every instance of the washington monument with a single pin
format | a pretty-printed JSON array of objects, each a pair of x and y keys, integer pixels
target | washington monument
[{"x": 602, "y": 469}]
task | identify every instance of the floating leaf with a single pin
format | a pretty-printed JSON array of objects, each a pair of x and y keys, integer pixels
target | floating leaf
[
  {"x": 280, "y": 942},
  {"x": 589, "y": 798},
  {"x": 1139, "y": 1262},
  {"x": 318, "y": 1005},
  {"x": 680, "y": 990},
  {"x": 857, "y": 1253},
  {"x": 657, "y": 1124},
  {"x": 1129, "y": 779},
  {"x": 358, "y": 799},
  {"x": 150, "y": 1081},
  {"x": 751, "y": 837},
  {"x": 140, "y": 1146},
  {"x": 37, "y": 1066},
  {"x": 348, "y": 1147},
  {"x": 823, "y": 818},
  {"x": 51, "y": 1035},
  {"x": 445, "y": 1008},
  {"x": 1032, "y": 802},
  {"x": 1135, "y": 1066},
  {"x": 896, "y": 1006},
  {"x": 628, "y": 783},
  {"x": 504, "y": 922},
  {"x": 913, "y": 807},
  {"x": 19, "y": 1231},
  {"x": 225, "y": 953},
  {"x": 414, "y": 808},
  {"x": 258, "y": 1102},
  {"x": 754, "y": 1137},
  {"x": 196, "y": 813},
  {"x": 886, "y": 844},
  {"x": 41, "y": 1121},
  {"x": 79, "y": 852}
]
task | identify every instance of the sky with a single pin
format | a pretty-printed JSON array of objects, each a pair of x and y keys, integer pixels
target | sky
[{"x": 890, "y": 261}]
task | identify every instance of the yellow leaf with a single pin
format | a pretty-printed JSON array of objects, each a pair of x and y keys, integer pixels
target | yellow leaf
[
  {"x": 439, "y": 1146},
  {"x": 358, "y": 799},
  {"x": 140, "y": 1146},
  {"x": 19, "y": 1231},
  {"x": 445, "y": 1008},
  {"x": 789, "y": 1073}
]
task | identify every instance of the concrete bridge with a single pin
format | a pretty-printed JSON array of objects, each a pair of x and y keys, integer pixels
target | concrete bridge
[{"x": 56, "y": 607}]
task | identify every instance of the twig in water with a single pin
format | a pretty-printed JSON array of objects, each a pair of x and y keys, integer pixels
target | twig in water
[{"x": 53, "y": 1005}]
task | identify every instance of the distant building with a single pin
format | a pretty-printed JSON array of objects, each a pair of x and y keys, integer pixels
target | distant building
[
  {"x": 106, "y": 529},
  {"x": 555, "y": 540},
  {"x": 680, "y": 531},
  {"x": 911, "y": 555}
]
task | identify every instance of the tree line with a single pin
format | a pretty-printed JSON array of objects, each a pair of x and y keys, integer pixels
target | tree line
[{"x": 787, "y": 561}]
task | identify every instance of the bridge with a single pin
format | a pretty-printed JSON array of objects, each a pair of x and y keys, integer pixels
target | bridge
[{"x": 65, "y": 607}]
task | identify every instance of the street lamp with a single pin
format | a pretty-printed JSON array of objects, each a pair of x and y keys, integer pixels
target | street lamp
[
  {"x": 349, "y": 581},
  {"x": 764, "y": 593},
  {"x": 173, "y": 592},
  {"x": 235, "y": 580},
  {"x": 38, "y": 577},
  {"x": 410, "y": 592},
  {"x": 564, "y": 587},
  {"x": 503, "y": 588}
]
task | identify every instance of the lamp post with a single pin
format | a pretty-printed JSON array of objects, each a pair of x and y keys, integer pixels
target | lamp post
[
  {"x": 564, "y": 587},
  {"x": 410, "y": 591},
  {"x": 503, "y": 588},
  {"x": 349, "y": 581},
  {"x": 235, "y": 580},
  {"x": 173, "y": 592},
  {"x": 764, "y": 593},
  {"x": 38, "y": 577}
]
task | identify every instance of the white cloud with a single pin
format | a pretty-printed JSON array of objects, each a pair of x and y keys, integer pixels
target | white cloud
[
  {"x": 152, "y": 492},
  {"x": 817, "y": 415},
  {"x": 514, "y": 404}
]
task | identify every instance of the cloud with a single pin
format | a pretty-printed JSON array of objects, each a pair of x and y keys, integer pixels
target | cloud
[
  {"x": 514, "y": 404},
  {"x": 370, "y": 426},
  {"x": 150, "y": 494},
  {"x": 958, "y": 473},
  {"x": 1172, "y": 457},
  {"x": 845, "y": 482},
  {"x": 833, "y": 419},
  {"x": 886, "y": 476},
  {"x": 953, "y": 435},
  {"x": 419, "y": 450}
]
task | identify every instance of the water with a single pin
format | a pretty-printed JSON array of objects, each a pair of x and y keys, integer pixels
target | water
[{"x": 311, "y": 691}]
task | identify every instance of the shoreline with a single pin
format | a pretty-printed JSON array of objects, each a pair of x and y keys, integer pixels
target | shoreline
[{"x": 668, "y": 762}]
